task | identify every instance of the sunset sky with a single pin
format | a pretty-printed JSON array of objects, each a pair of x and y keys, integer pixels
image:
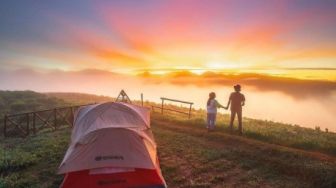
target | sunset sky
[
  {"x": 293, "y": 37},
  {"x": 282, "y": 52}
]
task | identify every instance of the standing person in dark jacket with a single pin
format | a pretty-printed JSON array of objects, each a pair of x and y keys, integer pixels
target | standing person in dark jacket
[{"x": 236, "y": 100}]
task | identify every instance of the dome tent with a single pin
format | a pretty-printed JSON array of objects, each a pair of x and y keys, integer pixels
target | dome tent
[{"x": 112, "y": 146}]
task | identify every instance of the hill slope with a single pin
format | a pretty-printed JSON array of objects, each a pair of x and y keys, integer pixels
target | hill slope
[
  {"x": 192, "y": 157},
  {"x": 23, "y": 101},
  {"x": 79, "y": 98},
  {"x": 269, "y": 154},
  {"x": 189, "y": 156}
]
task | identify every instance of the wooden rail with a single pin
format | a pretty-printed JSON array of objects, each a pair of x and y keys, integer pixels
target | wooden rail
[
  {"x": 175, "y": 100},
  {"x": 173, "y": 110},
  {"x": 24, "y": 124}
]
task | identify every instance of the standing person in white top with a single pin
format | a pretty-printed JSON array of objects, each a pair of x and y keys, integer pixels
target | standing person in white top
[{"x": 212, "y": 106}]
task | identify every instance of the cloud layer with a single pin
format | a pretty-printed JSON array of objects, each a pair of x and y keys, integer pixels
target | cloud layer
[
  {"x": 297, "y": 88},
  {"x": 104, "y": 82}
]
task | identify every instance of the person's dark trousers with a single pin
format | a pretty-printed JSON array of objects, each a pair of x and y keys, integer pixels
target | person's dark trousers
[{"x": 239, "y": 114}]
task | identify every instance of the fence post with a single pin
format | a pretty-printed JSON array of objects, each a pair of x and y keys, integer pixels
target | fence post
[
  {"x": 162, "y": 106},
  {"x": 141, "y": 99},
  {"x": 190, "y": 111},
  {"x": 72, "y": 116},
  {"x": 5, "y": 125},
  {"x": 34, "y": 123},
  {"x": 27, "y": 125},
  {"x": 55, "y": 118}
]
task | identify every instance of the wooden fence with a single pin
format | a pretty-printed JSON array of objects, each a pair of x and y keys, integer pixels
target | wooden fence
[
  {"x": 24, "y": 124},
  {"x": 174, "y": 110}
]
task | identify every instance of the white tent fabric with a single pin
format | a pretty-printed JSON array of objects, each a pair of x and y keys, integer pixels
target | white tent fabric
[{"x": 113, "y": 135}]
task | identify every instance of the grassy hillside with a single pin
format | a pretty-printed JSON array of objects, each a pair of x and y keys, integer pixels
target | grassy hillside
[
  {"x": 192, "y": 157},
  {"x": 23, "y": 101},
  {"x": 270, "y": 132},
  {"x": 189, "y": 156},
  {"x": 79, "y": 98},
  {"x": 32, "y": 162},
  {"x": 269, "y": 154},
  {"x": 12, "y": 102}
]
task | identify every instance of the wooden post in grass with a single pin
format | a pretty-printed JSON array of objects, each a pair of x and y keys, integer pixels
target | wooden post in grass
[
  {"x": 190, "y": 111},
  {"x": 5, "y": 125},
  {"x": 55, "y": 118},
  {"x": 162, "y": 105},
  {"x": 72, "y": 116},
  {"x": 27, "y": 124},
  {"x": 34, "y": 123},
  {"x": 141, "y": 99}
]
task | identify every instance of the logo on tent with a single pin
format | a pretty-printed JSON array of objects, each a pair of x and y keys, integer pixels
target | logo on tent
[{"x": 109, "y": 157}]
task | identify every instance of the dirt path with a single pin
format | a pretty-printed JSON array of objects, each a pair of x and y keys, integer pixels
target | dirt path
[{"x": 191, "y": 157}]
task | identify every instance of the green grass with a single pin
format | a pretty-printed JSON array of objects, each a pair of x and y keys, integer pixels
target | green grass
[
  {"x": 33, "y": 161},
  {"x": 269, "y": 131},
  {"x": 25, "y": 101},
  {"x": 223, "y": 159},
  {"x": 189, "y": 157},
  {"x": 269, "y": 154}
]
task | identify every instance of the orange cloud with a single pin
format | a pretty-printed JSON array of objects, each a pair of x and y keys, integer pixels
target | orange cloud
[{"x": 296, "y": 88}]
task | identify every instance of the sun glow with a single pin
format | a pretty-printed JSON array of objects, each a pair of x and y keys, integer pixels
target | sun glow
[
  {"x": 221, "y": 65},
  {"x": 198, "y": 71}
]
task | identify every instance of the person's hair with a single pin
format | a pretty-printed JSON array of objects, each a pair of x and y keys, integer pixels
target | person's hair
[
  {"x": 237, "y": 87},
  {"x": 212, "y": 95}
]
